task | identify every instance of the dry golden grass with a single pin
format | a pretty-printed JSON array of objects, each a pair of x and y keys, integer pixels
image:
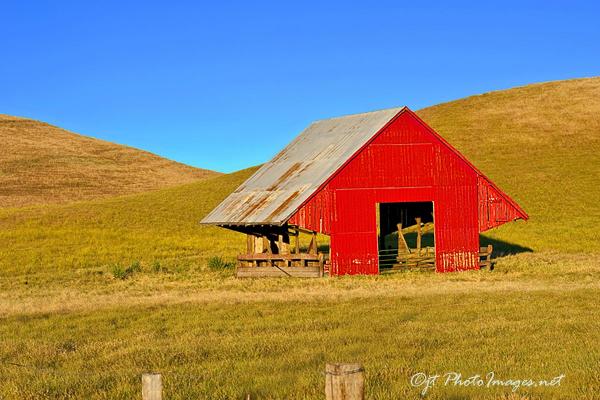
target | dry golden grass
[
  {"x": 43, "y": 164},
  {"x": 97, "y": 288},
  {"x": 72, "y": 329},
  {"x": 215, "y": 337}
]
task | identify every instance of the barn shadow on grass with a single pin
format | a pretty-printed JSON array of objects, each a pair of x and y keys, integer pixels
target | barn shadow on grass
[{"x": 503, "y": 248}]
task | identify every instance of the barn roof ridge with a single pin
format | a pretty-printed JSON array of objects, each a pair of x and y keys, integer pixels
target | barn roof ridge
[{"x": 400, "y": 108}]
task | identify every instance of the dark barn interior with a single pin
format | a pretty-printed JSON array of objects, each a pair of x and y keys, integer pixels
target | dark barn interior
[{"x": 405, "y": 233}]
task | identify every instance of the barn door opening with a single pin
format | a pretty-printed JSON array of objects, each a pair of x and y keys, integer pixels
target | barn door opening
[{"x": 405, "y": 235}]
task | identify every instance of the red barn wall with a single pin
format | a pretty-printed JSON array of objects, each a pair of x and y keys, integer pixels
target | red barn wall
[
  {"x": 404, "y": 163},
  {"x": 494, "y": 209}
]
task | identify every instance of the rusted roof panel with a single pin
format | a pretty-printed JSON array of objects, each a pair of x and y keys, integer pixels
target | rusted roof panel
[{"x": 281, "y": 186}]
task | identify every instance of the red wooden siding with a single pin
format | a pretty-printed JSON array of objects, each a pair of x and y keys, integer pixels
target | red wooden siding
[
  {"x": 405, "y": 162},
  {"x": 317, "y": 216},
  {"x": 494, "y": 209}
]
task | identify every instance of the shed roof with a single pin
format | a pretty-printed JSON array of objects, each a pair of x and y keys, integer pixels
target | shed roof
[{"x": 274, "y": 192}]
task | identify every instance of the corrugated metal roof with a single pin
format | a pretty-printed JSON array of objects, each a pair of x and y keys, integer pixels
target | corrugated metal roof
[{"x": 282, "y": 185}]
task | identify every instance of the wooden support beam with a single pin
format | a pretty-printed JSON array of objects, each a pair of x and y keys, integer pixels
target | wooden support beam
[
  {"x": 297, "y": 241},
  {"x": 303, "y": 230},
  {"x": 249, "y": 243},
  {"x": 418, "y": 220},
  {"x": 321, "y": 264},
  {"x": 265, "y": 257},
  {"x": 283, "y": 244},
  {"x": 426, "y": 227},
  {"x": 259, "y": 244},
  {"x": 280, "y": 244}
]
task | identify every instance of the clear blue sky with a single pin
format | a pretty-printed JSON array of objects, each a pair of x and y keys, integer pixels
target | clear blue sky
[{"x": 225, "y": 85}]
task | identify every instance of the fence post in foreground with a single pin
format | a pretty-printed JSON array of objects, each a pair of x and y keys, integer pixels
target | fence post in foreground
[
  {"x": 151, "y": 387},
  {"x": 344, "y": 382}
]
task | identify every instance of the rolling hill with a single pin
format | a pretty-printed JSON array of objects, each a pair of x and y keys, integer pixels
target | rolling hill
[
  {"x": 68, "y": 304},
  {"x": 539, "y": 143},
  {"x": 43, "y": 164}
]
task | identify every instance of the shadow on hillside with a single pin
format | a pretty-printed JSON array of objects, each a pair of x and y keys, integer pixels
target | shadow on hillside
[{"x": 502, "y": 248}]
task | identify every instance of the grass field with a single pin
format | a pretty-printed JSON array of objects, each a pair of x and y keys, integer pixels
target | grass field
[
  {"x": 94, "y": 293},
  {"x": 213, "y": 336}
]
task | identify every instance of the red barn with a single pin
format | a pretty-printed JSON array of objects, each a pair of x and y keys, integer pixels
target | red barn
[{"x": 368, "y": 181}]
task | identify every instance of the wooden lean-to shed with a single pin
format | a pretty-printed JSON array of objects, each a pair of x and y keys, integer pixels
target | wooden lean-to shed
[{"x": 385, "y": 187}]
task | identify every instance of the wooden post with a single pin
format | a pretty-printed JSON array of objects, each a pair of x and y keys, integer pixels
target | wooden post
[
  {"x": 344, "y": 382},
  {"x": 283, "y": 244},
  {"x": 321, "y": 264},
  {"x": 151, "y": 387},
  {"x": 418, "y": 219},
  {"x": 267, "y": 243},
  {"x": 249, "y": 244},
  {"x": 259, "y": 244},
  {"x": 280, "y": 244},
  {"x": 297, "y": 241},
  {"x": 312, "y": 247}
]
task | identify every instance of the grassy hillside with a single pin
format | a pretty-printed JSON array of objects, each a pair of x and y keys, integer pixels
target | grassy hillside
[
  {"x": 541, "y": 144},
  {"x": 116, "y": 287},
  {"x": 157, "y": 226},
  {"x": 43, "y": 164}
]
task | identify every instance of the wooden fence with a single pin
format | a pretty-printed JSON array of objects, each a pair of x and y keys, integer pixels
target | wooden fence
[{"x": 342, "y": 382}]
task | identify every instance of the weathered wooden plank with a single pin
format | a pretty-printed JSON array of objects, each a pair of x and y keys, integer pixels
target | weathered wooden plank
[
  {"x": 267, "y": 272},
  {"x": 278, "y": 257},
  {"x": 250, "y": 243},
  {"x": 267, "y": 243},
  {"x": 344, "y": 382},
  {"x": 426, "y": 227},
  {"x": 303, "y": 230},
  {"x": 259, "y": 244},
  {"x": 151, "y": 387},
  {"x": 321, "y": 264}
]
